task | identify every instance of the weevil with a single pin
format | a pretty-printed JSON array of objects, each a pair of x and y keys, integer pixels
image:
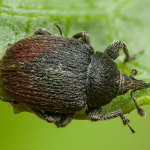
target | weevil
[{"x": 56, "y": 76}]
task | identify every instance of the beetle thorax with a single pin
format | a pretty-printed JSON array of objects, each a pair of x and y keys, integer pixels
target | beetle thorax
[{"x": 103, "y": 80}]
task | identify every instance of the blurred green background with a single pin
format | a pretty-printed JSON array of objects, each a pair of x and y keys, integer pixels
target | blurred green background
[{"x": 105, "y": 21}]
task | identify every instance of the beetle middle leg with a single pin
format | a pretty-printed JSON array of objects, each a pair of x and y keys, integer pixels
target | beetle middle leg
[
  {"x": 47, "y": 116},
  {"x": 51, "y": 117},
  {"x": 84, "y": 36},
  {"x": 93, "y": 114}
]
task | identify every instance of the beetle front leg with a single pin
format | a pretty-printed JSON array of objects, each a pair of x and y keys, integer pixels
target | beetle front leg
[
  {"x": 84, "y": 36},
  {"x": 114, "y": 48},
  {"x": 64, "y": 120},
  {"x": 93, "y": 114},
  {"x": 42, "y": 31},
  {"x": 47, "y": 116}
]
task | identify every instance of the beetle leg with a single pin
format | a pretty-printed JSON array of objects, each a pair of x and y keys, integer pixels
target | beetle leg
[
  {"x": 51, "y": 116},
  {"x": 84, "y": 36},
  {"x": 47, "y": 116},
  {"x": 58, "y": 28},
  {"x": 42, "y": 31},
  {"x": 64, "y": 120},
  {"x": 4, "y": 100},
  {"x": 93, "y": 114},
  {"x": 125, "y": 121},
  {"x": 114, "y": 48}
]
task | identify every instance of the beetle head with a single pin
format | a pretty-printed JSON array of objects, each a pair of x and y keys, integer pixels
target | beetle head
[{"x": 130, "y": 82}]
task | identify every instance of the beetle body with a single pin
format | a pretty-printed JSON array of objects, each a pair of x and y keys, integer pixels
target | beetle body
[
  {"x": 60, "y": 76},
  {"x": 48, "y": 74}
]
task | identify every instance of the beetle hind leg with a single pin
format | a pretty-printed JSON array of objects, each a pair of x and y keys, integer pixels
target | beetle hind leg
[
  {"x": 93, "y": 114},
  {"x": 64, "y": 120}
]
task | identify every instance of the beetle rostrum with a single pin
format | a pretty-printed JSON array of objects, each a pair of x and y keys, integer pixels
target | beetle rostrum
[{"x": 56, "y": 76}]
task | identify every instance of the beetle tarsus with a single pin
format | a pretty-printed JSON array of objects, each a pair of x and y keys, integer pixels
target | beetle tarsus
[
  {"x": 131, "y": 128},
  {"x": 126, "y": 121}
]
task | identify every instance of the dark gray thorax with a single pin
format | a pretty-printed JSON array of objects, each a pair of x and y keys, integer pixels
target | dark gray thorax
[{"x": 103, "y": 80}]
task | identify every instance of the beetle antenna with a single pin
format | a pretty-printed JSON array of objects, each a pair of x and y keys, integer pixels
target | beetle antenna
[
  {"x": 141, "y": 112},
  {"x": 58, "y": 28},
  {"x": 137, "y": 84}
]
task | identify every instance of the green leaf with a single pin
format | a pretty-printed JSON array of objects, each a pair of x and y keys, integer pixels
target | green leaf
[{"x": 104, "y": 20}]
